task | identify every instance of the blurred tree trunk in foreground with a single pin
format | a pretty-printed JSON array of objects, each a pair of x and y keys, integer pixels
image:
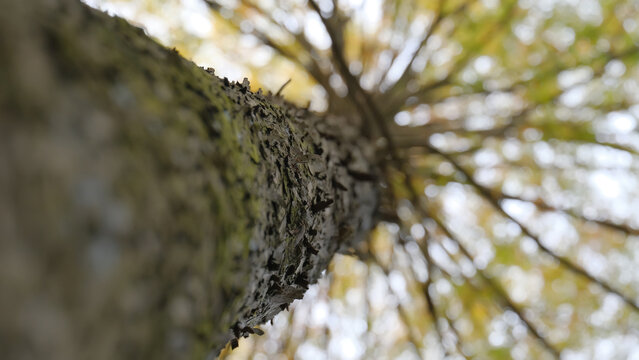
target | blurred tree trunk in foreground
[{"x": 149, "y": 209}]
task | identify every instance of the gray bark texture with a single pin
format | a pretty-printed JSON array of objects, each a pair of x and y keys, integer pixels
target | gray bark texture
[{"x": 148, "y": 209}]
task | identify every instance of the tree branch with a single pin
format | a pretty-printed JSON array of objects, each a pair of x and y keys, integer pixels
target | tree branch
[
  {"x": 312, "y": 67},
  {"x": 432, "y": 265},
  {"x": 544, "y": 206},
  {"x": 505, "y": 300},
  {"x": 400, "y": 308},
  {"x": 494, "y": 201},
  {"x": 487, "y": 38},
  {"x": 439, "y": 16}
]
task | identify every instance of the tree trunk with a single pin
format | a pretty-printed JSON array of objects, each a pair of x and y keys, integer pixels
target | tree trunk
[{"x": 149, "y": 209}]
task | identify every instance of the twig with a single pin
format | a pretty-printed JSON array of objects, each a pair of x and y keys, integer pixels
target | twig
[
  {"x": 431, "y": 304},
  {"x": 432, "y": 311},
  {"x": 494, "y": 201},
  {"x": 542, "y": 205},
  {"x": 439, "y": 16},
  {"x": 311, "y": 68},
  {"x": 400, "y": 308},
  {"x": 360, "y": 97},
  {"x": 282, "y": 87},
  {"x": 501, "y": 294},
  {"x": 484, "y": 40}
]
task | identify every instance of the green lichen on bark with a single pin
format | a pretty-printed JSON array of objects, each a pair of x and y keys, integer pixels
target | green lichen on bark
[{"x": 149, "y": 209}]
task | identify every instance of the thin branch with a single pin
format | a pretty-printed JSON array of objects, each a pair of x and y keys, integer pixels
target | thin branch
[
  {"x": 458, "y": 127},
  {"x": 494, "y": 201},
  {"x": 312, "y": 68},
  {"x": 468, "y": 54},
  {"x": 506, "y": 302},
  {"x": 431, "y": 306},
  {"x": 336, "y": 36},
  {"x": 437, "y": 19},
  {"x": 425, "y": 287},
  {"x": 482, "y": 42},
  {"x": 552, "y": 72},
  {"x": 369, "y": 317},
  {"x": 365, "y": 104},
  {"x": 282, "y": 87},
  {"x": 459, "y": 341},
  {"x": 544, "y": 206},
  {"x": 430, "y": 303},
  {"x": 397, "y": 23},
  {"x": 400, "y": 308},
  {"x": 429, "y": 300},
  {"x": 603, "y": 58},
  {"x": 299, "y": 36}
]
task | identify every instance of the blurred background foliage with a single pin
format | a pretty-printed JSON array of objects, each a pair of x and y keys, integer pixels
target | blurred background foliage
[{"x": 512, "y": 177}]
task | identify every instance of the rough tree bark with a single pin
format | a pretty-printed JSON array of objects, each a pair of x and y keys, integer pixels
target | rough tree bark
[{"x": 149, "y": 209}]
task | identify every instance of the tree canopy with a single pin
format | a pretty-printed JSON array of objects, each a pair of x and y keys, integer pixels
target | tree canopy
[{"x": 507, "y": 133}]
